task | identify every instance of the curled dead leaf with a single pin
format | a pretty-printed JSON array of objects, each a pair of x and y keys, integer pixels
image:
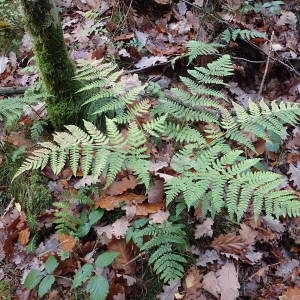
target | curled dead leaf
[
  {"x": 24, "y": 235},
  {"x": 67, "y": 242}
]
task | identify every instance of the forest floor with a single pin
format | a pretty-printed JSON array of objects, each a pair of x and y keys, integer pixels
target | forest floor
[{"x": 251, "y": 260}]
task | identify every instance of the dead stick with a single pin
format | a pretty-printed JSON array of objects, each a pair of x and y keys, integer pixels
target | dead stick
[
  {"x": 267, "y": 67},
  {"x": 4, "y": 91}
]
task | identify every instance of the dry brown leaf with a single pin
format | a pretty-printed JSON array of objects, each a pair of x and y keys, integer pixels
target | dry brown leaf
[
  {"x": 156, "y": 192},
  {"x": 289, "y": 18},
  {"x": 209, "y": 256},
  {"x": 124, "y": 260},
  {"x": 292, "y": 293},
  {"x": 169, "y": 291},
  {"x": 228, "y": 282},
  {"x": 67, "y": 243},
  {"x": 229, "y": 243},
  {"x": 248, "y": 234},
  {"x": 119, "y": 187},
  {"x": 193, "y": 283},
  {"x": 120, "y": 227},
  {"x": 210, "y": 284},
  {"x": 145, "y": 209},
  {"x": 159, "y": 217},
  {"x": 18, "y": 139},
  {"x": 123, "y": 37},
  {"x": 295, "y": 176},
  {"x": 108, "y": 202},
  {"x": 204, "y": 229},
  {"x": 23, "y": 238},
  {"x": 163, "y": 2}
]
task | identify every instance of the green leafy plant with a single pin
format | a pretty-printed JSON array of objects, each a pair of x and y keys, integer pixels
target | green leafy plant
[
  {"x": 12, "y": 108},
  {"x": 113, "y": 151},
  {"x": 165, "y": 244},
  {"x": 221, "y": 177},
  {"x": 97, "y": 285},
  {"x": 232, "y": 35},
  {"x": 44, "y": 280},
  {"x": 69, "y": 224},
  {"x": 272, "y": 6}
]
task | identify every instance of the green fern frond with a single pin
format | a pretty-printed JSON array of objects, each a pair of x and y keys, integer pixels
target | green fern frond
[
  {"x": 245, "y": 34},
  {"x": 260, "y": 119},
  {"x": 226, "y": 174},
  {"x": 108, "y": 92},
  {"x": 12, "y": 108},
  {"x": 94, "y": 152},
  {"x": 139, "y": 109},
  {"x": 165, "y": 240},
  {"x": 196, "y": 48}
]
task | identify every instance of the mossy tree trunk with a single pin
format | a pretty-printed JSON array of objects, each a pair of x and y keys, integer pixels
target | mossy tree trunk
[{"x": 42, "y": 22}]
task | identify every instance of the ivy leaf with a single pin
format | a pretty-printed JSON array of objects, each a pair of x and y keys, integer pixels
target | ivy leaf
[
  {"x": 32, "y": 279},
  {"x": 105, "y": 259},
  {"x": 82, "y": 275},
  {"x": 45, "y": 285},
  {"x": 51, "y": 264},
  {"x": 98, "y": 287}
]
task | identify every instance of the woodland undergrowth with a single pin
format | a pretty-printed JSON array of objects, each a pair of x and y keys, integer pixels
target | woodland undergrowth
[{"x": 212, "y": 167}]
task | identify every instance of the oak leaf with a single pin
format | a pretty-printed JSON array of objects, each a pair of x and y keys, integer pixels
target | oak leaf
[
  {"x": 228, "y": 282},
  {"x": 229, "y": 243},
  {"x": 119, "y": 187},
  {"x": 124, "y": 260},
  {"x": 204, "y": 229},
  {"x": 210, "y": 284}
]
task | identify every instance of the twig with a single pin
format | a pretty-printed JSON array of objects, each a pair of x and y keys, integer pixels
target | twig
[
  {"x": 266, "y": 68},
  {"x": 8, "y": 207},
  {"x": 247, "y": 60},
  {"x": 146, "y": 68}
]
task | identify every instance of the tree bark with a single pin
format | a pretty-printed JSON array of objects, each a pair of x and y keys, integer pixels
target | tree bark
[{"x": 42, "y": 22}]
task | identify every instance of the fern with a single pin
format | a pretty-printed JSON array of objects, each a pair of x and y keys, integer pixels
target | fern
[
  {"x": 109, "y": 93},
  {"x": 11, "y": 109},
  {"x": 200, "y": 102},
  {"x": 244, "y": 34},
  {"x": 195, "y": 117},
  {"x": 196, "y": 48},
  {"x": 226, "y": 176},
  {"x": 100, "y": 153},
  {"x": 165, "y": 240},
  {"x": 260, "y": 119},
  {"x": 67, "y": 223}
]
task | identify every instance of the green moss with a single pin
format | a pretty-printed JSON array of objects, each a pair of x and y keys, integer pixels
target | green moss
[
  {"x": 6, "y": 290},
  {"x": 57, "y": 70},
  {"x": 30, "y": 191}
]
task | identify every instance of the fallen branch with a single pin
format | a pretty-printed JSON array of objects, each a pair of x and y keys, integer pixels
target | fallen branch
[{"x": 4, "y": 91}]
